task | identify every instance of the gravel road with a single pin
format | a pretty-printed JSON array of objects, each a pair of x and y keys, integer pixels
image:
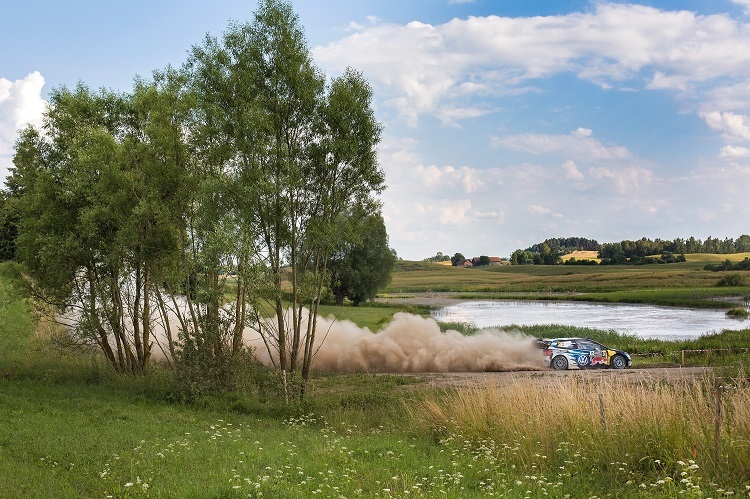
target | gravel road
[{"x": 652, "y": 374}]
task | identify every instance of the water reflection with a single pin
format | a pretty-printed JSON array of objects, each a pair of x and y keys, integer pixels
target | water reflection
[{"x": 646, "y": 321}]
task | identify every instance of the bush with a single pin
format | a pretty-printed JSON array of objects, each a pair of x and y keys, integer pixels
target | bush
[
  {"x": 738, "y": 312},
  {"x": 200, "y": 373},
  {"x": 732, "y": 281}
]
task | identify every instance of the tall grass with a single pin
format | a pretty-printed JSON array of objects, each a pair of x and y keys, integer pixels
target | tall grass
[{"x": 625, "y": 433}]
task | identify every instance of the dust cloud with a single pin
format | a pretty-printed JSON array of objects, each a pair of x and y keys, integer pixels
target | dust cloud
[{"x": 411, "y": 344}]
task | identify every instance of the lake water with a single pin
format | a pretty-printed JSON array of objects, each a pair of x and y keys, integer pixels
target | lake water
[{"x": 646, "y": 321}]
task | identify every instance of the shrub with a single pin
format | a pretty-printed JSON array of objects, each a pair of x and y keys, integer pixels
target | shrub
[
  {"x": 732, "y": 281},
  {"x": 200, "y": 373},
  {"x": 738, "y": 312}
]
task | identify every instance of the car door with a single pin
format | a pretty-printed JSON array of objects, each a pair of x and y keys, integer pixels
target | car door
[{"x": 592, "y": 354}]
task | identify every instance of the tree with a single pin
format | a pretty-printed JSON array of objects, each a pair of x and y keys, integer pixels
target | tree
[
  {"x": 364, "y": 264},
  {"x": 457, "y": 258},
  {"x": 67, "y": 235},
  {"x": 297, "y": 153},
  {"x": 9, "y": 220},
  {"x": 484, "y": 260},
  {"x": 742, "y": 244},
  {"x": 96, "y": 233}
]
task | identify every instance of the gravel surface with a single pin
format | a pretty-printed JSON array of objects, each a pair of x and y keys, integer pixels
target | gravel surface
[{"x": 652, "y": 374}]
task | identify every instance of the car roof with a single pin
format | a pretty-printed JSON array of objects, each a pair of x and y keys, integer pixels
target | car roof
[{"x": 567, "y": 339}]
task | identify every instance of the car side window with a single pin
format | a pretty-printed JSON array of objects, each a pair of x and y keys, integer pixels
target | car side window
[{"x": 587, "y": 345}]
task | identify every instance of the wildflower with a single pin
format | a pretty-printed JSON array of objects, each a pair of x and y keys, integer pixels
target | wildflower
[{"x": 129, "y": 484}]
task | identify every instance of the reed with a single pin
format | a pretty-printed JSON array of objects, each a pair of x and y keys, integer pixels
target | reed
[{"x": 644, "y": 427}]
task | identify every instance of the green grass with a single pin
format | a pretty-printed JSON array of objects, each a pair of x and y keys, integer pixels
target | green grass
[
  {"x": 70, "y": 427},
  {"x": 679, "y": 284},
  {"x": 371, "y": 316}
]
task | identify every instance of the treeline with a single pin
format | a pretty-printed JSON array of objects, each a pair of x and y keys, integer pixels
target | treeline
[
  {"x": 550, "y": 251},
  {"x": 565, "y": 245},
  {"x": 640, "y": 252},
  {"x": 645, "y": 247}
]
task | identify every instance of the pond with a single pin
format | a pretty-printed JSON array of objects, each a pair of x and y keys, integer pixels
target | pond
[{"x": 646, "y": 321}]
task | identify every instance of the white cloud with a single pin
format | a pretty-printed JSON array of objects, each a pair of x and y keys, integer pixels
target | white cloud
[
  {"x": 579, "y": 144},
  {"x": 734, "y": 152},
  {"x": 572, "y": 172},
  {"x": 448, "y": 178},
  {"x": 536, "y": 209},
  {"x": 743, "y": 3},
  {"x": 428, "y": 68},
  {"x": 624, "y": 180},
  {"x": 734, "y": 127},
  {"x": 21, "y": 104}
]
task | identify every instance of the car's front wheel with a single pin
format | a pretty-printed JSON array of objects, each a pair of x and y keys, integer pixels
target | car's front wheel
[
  {"x": 618, "y": 362},
  {"x": 559, "y": 363}
]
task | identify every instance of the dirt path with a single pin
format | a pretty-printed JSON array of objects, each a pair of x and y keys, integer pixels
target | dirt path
[{"x": 658, "y": 374}]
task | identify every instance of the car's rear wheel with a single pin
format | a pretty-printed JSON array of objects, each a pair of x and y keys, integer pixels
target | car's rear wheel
[
  {"x": 559, "y": 363},
  {"x": 618, "y": 362}
]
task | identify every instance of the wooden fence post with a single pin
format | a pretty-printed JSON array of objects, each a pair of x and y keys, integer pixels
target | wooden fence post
[{"x": 717, "y": 422}]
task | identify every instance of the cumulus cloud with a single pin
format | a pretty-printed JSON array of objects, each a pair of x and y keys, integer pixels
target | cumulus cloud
[
  {"x": 464, "y": 179},
  {"x": 734, "y": 152},
  {"x": 624, "y": 180},
  {"x": 428, "y": 68},
  {"x": 734, "y": 127},
  {"x": 579, "y": 144},
  {"x": 21, "y": 104},
  {"x": 744, "y": 3},
  {"x": 458, "y": 72}
]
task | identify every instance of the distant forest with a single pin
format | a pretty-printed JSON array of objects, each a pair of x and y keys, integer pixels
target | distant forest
[{"x": 642, "y": 251}]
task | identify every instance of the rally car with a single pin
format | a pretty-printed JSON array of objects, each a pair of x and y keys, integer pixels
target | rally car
[{"x": 582, "y": 353}]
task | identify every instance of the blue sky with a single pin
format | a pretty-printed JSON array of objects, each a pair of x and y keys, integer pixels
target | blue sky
[{"x": 505, "y": 121}]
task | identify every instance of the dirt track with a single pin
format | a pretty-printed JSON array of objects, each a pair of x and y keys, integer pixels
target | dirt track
[{"x": 653, "y": 374}]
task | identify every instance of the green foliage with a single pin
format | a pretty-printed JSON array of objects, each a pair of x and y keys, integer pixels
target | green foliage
[
  {"x": 732, "y": 280},
  {"x": 238, "y": 164},
  {"x": 439, "y": 257},
  {"x": 9, "y": 220},
  {"x": 363, "y": 263},
  {"x": 729, "y": 265},
  {"x": 294, "y": 154},
  {"x": 456, "y": 258},
  {"x": 200, "y": 374},
  {"x": 738, "y": 312}
]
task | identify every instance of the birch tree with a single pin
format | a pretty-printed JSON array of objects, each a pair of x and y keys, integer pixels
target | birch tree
[{"x": 299, "y": 152}]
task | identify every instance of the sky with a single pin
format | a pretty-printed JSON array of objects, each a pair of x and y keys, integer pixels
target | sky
[{"x": 506, "y": 122}]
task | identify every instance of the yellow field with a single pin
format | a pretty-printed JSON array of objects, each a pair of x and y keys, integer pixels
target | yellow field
[{"x": 582, "y": 255}]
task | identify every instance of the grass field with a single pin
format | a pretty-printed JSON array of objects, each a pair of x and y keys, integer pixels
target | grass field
[
  {"x": 70, "y": 427},
  {"x": 677, "y": 284}
]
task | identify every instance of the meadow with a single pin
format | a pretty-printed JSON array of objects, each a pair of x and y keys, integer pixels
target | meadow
[
  {"x": 677, "y": 284},
  {"x": 70, "y": 427}
]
